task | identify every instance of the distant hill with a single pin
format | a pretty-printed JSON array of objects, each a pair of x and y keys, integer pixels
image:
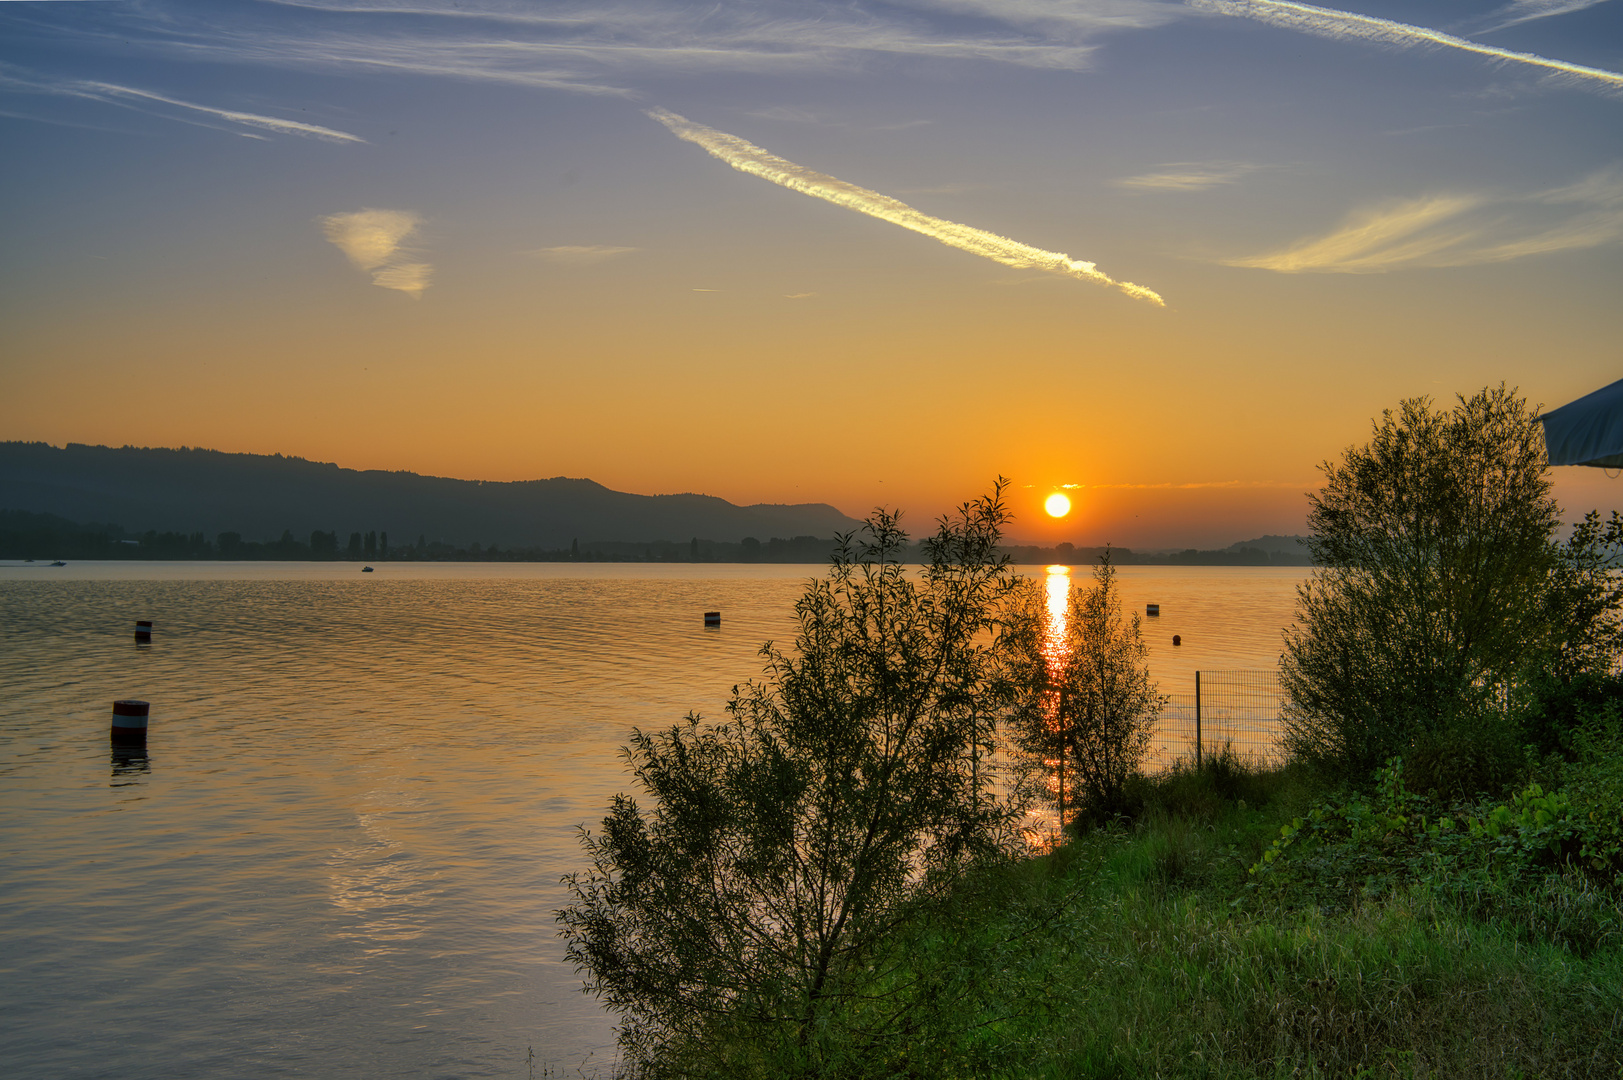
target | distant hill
[
  {"x": 1295, "y": 546},
  {"x": 261, "y": 497}
]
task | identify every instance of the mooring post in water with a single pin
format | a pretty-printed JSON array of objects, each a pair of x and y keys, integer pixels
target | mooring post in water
[
  {"x": 143, "y": 629},
  {"x": 130, "y": 723},
  {"x": 712, "y": 618},
  {"x": 1197, "y": 720}
]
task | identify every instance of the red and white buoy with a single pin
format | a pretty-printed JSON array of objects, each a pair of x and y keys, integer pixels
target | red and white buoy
[
  {"x": 130, "y": 722},
  {"x": 712, "y": 618},
  {"x": 143, "y": 629}
]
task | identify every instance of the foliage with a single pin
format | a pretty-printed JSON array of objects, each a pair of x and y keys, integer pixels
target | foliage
[
  {"x": 1548, "y": 861},
  {"x": 768, "y": 896},
  {"x": 1441, "y": 587},
  {"x": 1595, "y": 784},
  {"x": 1087, "y": 700}
]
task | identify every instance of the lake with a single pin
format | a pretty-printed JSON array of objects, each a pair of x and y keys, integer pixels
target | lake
[{"x": 341, "y": 850}]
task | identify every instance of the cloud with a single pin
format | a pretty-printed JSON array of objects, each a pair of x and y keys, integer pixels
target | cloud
[
  {"x": 373, "y": 240},
  {"x": 748, "y": 158},
  {"x": 1460, "y": 230},
  {"x": 1188, "y": 176},
  {"x": 581, "y": 253},
  {"x": 1345, "y": 25},
  {"x": 267, "y": 123},
  {"x": 370, "y": 237},
  {"x": 409, "y": 278},
  {"x": 606, "y": 46},
  {"x": 609, "y": 46},
  {"x": 1521, "y": 11},
  {"x": 788, "y": 114},
  {"x": 131, "y": 97}
]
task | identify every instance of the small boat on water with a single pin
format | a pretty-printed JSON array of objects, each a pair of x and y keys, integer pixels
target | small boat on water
[
  {"x": 367, "y": 570},
  {"x": 59, "y": 562}
]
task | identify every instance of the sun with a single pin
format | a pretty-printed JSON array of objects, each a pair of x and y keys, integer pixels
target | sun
[{"x": 1057, "y": 505}]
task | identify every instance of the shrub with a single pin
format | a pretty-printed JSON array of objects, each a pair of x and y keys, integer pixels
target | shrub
[
  {"x": 1547, "y": 861},
  {"x": 760, "y": 909},
  {"x": 1441, "y": 588},
  {"x": 1086, "y": 700}
]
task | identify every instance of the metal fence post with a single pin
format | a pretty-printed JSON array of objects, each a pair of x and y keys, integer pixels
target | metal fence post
[{"x": 1197, "y": 721}]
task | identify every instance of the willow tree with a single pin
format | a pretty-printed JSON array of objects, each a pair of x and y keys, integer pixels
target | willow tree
[
  {"x": 1088, "y": 703},
  {"x": 763, "y": 895},
  {"x": 1441, "y": 585}
]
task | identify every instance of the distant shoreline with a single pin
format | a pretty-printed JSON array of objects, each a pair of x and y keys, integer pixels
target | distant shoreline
[{"x": 29, "y": 535}]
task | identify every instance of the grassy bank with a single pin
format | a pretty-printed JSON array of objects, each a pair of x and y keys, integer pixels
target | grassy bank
[{"x": 1148, "y": 948}]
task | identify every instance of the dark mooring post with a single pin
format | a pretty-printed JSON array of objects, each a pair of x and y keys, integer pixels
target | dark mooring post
[{"x": 1197, "y": 720}]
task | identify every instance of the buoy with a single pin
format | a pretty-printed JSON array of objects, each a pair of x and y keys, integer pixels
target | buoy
[
  {"x": 712, "y": 618},
  {"x": 143, "y": 629},
  {"x": 1176, "y": 640},
  {"x": 1153, "y": 610},
  {"x": 130, "y": 722}
]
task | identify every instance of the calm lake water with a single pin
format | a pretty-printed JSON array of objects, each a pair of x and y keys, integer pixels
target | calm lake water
[{"x": 341, "y": 852}]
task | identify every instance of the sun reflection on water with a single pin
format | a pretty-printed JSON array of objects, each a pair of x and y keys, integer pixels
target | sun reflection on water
[{"x": 1043, "y": 833}]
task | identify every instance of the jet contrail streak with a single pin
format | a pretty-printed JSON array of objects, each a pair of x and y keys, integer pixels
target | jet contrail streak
[
  {"x": 1326, "y": 22},
  {"x": 749, "y": 158},
  {"x": 270, "y": 123}
]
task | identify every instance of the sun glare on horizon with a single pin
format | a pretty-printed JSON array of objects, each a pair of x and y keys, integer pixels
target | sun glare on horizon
[{"x": 1057, "y": 505}]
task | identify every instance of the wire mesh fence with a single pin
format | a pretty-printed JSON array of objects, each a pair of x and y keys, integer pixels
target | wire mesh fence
[{"x": 1228, "y": 708}]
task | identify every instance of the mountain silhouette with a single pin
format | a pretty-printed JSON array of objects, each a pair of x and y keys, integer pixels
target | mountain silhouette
[{"x": 260, "y": 496}]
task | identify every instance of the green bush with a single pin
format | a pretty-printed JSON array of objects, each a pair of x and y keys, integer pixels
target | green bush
[
  {"x": 1595, "y": 783},
  {"x": 1546, "y": 861}
]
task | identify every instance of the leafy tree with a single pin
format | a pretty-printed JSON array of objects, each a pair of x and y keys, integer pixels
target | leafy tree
[
  {"x": 764, "y": 896},
  {"x": 1441, "y": 587},
  {"x": 1088, "y": 706},
  {"x": 1576, "y": 675}
]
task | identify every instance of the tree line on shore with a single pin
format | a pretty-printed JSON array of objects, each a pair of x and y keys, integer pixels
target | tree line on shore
[{"x": 28, "y": 535}]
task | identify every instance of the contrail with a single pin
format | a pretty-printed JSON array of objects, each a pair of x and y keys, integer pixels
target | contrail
[
  {"x": 749, "y": 158},
  {"x": 1326, "y": 22},
  {"x": 269, "y": 123}
]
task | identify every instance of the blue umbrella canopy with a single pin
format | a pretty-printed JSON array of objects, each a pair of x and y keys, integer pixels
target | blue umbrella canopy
[{"x": 1588, "y": 431}]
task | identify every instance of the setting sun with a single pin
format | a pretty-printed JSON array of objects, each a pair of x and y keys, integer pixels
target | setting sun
[{"x": 1057, "y": 505}]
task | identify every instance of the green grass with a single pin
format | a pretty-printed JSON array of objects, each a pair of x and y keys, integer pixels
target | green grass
[
  {"x": 1162, "y": 962},
  {"x": 1141, "y": 949}
]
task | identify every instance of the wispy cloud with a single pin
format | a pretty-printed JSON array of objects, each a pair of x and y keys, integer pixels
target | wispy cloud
[
  {"x": 748, "y": 158},
  {"x": 1188, "y": 176},
  {"x": 1460, "y": 230},
  {"x": 579, "y": 254},
  {"x": 1521, "y": 11},
  {"x": 613, "y": 46},
  {"x": 1346, "y": 25},
  {"x": 267, "y": 123},
  {"x": 609, "y": 46},
  {"x": 132, "y": 97},
  {"x": 411, "y": 278},
  {"x": 374, "y": 241}
]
